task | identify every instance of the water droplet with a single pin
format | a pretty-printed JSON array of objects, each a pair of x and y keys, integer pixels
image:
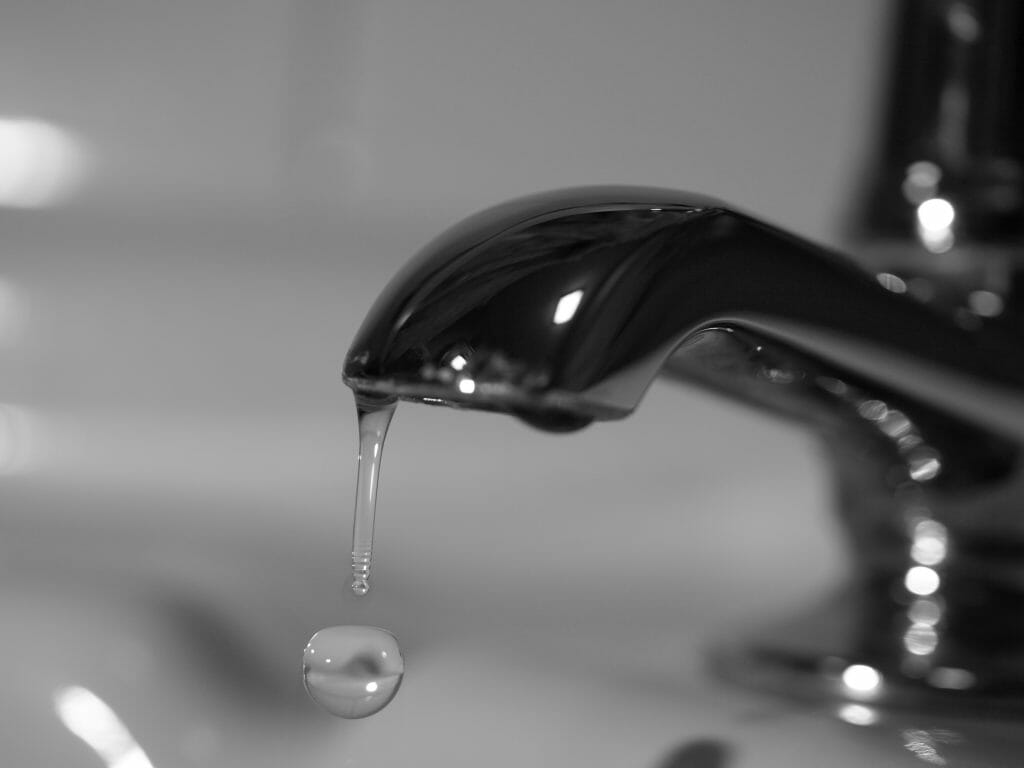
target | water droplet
[{"x": 352, "y": 671}]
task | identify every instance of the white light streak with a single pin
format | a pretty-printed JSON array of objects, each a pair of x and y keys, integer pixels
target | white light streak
[{"x": 93, "y": 721}]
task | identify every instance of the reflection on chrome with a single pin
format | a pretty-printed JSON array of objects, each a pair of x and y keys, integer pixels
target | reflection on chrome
[
  {"x": 921, "y": 639},
  {"x": 952, "y": 678},
  {"x": 921, "y": 580},
  {"x": 925, "y": 744},
  {"x": 985, "y": 303},
  {"x": 872, "y": 410},
  {"x": 567, "y": 306},
  {"x": 935, "y": 218},
  {"x": 895, "y": 424},
  {"x": 936, "y": 214},
  {"x": 857, "y": 714},
  {"x": 891, "y": 282},
  {"x": 40, "y": 163},
  {"x": 93, "y": 721},
  {"x": 906, "y": 442},
  {"x": 832, "y": 385},
  {"x": 928, "y": 538},
  {"x": 926, "y": 611},
  {"x": 963, "y": 23},
  {"x": 929, "y": 542},
  {"x": 861, "y": 681},
  {"x": 928, "y": 546},
  {"x": 921, "y": 181},
  {"x": 780, "y": 375},
  {"x": 923, "y": 463}
]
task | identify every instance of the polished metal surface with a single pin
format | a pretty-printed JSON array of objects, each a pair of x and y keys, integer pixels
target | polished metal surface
[
  {"x": 954, "y": 123},
  {"x": 561, "y": 308},
  {"x": 199, "y": 202}
]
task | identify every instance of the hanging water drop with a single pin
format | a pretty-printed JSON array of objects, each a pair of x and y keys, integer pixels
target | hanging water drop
[
  {"x": 374, "y": 418},
  {"x": 353, "y": 671}
]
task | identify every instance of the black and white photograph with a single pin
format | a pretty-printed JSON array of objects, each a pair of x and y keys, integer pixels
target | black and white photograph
[{"x": 693, "y": 330}]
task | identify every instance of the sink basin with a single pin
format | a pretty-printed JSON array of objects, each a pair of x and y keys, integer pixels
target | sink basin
[{"x": 178, "y": 528}]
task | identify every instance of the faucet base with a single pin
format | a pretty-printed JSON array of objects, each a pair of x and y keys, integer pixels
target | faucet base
[{"x": 852, "y": 649}]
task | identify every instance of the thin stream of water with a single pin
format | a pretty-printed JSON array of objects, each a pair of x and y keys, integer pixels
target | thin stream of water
[{"x": 374, "y": 419}]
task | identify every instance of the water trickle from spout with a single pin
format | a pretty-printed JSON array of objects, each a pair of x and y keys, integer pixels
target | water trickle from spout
[{"x": 374, "y": 418}]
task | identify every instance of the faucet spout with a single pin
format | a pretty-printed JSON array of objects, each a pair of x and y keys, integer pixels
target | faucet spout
[{"x": 562, "y": 308}]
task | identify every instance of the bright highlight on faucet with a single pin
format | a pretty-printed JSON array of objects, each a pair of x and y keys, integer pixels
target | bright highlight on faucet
[
  {"x": 936, "y": 214},
  {"x": 921, "y": 639},
  {"x": 935, "y": 218},
  {"x": 567, "y": 306},
  {"x": 858, "y": 714},
  {"x": 929, "y": 543},
  {"x": 921, "y": 580},
  {"x": 861, "y": 679}
]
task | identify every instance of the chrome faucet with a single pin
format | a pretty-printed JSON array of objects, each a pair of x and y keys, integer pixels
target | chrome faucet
[{"x": 561, "y": 308}]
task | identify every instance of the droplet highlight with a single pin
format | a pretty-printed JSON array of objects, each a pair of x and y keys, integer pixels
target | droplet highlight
[{"x": 352, "y": 671}]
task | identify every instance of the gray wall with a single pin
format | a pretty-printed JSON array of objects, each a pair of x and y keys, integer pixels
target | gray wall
[{"x": 450, "y": 104}]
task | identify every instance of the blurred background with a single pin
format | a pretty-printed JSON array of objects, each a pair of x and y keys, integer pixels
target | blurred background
[{"x": 198, "y": 203}]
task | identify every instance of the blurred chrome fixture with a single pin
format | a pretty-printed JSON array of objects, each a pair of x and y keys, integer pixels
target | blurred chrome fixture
[
  {"x": 561, "y": 308},
  {"x": 952, "y": 150}
]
